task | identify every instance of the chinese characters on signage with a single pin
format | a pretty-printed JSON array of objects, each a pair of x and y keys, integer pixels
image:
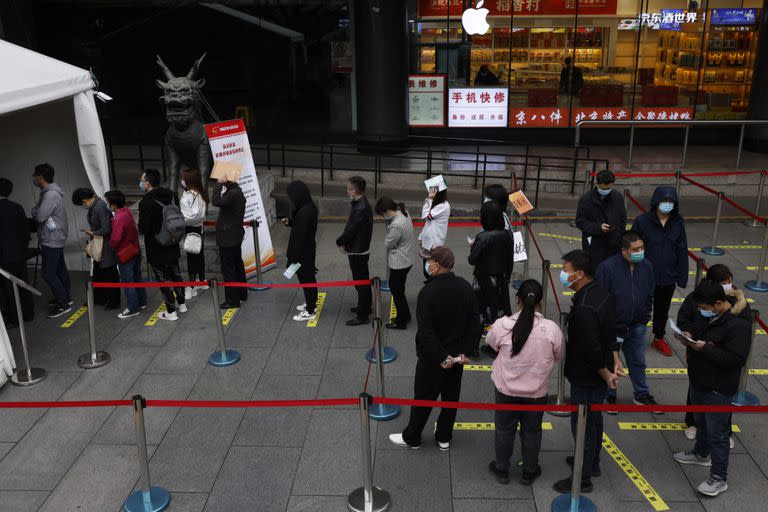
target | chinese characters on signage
[
  {"x": 734, "y": 16},
  {"x": 554, "y": 117},
  {"x": 477, "y": 107},
  {"x": 667, "y": 19},
  {"x": 454, "y": 8},
  {"x": 426, "y": 100}
]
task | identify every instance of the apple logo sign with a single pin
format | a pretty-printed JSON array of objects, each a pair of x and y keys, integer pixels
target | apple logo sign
[{"x": 473, "y": 20}]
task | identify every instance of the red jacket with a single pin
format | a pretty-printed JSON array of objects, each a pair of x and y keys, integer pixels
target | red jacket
[{"x": 124, "y": 230}]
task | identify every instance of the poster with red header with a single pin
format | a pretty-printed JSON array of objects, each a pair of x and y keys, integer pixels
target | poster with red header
[
  {"x": 229, "y": 143},
  {"x": 426, "y": 100},
  {"x": 505, "y": 8}
]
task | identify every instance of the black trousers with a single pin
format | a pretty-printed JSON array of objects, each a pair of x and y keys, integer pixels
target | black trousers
[
  {"x": 431, "y": 382},
  {"x": 506, "y": 429},
  {"x": 106, "y": 296},
  {"x": 169, "y": 272},
  {"x": 358, "y": 264},
  {"x": 690, "y": 419},
  {"x": 493, "y": 296},
  {"x": 7, "y": 298},
  {"x": 397, "y": 278},
  {"x": 662, "y": 299},
  {"x": 232, "y": 269},
  {"x": 196, "y": 262},
  {"x": 307, "y": 276}
]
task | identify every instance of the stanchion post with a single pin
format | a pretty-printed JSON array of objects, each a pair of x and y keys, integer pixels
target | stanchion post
[
  {"x": 575, "y": 502},
  {"x": 758, "y": 285},
  {"x": 714, "y": 250},
  {"x": 223, "y": 356},
  {"x": 626, "y": 199},
  {"x": 744, "y": 397},
  {"x": 587, "y": 181},
  {"x": 699, "y": 271},
  {"x": 381, "y": 412},
  {"x": 257, "y": 257},
  {"x": 544, "y": 285},
  {"x": 94, "y": 358},
  {"x": 631, "y": 144},
  {"x": 685, "y": 145},
  {"x": 147, "y": 498},
  {"x": 560, "y": 398},
  {"x": 677, "y": 182},
  {"x": 758, "y": 199},
  {"x": 367, "y": 498},
  {"x": 384, "y": 354},
  {"x": 27, "y": 375}
]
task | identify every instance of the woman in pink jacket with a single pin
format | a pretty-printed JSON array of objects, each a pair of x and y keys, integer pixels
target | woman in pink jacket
[
  {"x": 125, "y": 242},
  {"x": 529, "y": 345}
]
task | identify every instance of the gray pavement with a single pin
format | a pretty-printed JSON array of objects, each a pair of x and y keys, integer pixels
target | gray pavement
[{"x": 308, "y": 459}]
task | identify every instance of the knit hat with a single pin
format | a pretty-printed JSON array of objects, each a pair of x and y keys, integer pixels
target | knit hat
[{"x": 443, "y": 256}]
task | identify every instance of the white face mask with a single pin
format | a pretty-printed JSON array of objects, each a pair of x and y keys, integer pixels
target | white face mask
[
  {"x": 183, "y": 184},
  {"x": 728, "y": 287}
]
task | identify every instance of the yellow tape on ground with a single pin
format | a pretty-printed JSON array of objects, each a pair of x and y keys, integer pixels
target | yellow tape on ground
[
  {"x": 634, "y": 475},
  {"x": 153, "y": 319},
  {"x": 561, "y": 237},
  {"x": 463, "y": 425},
  {"x": 477, "y": 367},
  {"x": 624, "y": 425},
  {"x": 75, "y": 317},
  {"x": 755, "y": 268},
  {"x": 228, "y": 316},
  {"x": 684, "y": 371},
  {"x": 740, "y": 246},
  {"x": 318, "y": 309},
  {"x": 392, "y": 309}
]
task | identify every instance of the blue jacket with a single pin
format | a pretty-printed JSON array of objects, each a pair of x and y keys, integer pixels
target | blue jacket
[
  {"x": 665, "y": 246},
  {"x": 632, "y": 290}
]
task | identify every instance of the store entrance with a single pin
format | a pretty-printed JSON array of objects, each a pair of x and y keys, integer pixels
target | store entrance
[{"x": 453, "y": 60}]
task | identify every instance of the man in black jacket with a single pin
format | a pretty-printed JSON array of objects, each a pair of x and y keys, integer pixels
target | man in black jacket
[
  {"x": 715, "y": 362},
  {"x": 14, "y": 239},
  {"x": 592, "y": 363},
  {"x": 301, "y": 244},
  {"x": 164, "y": 260},
  {"x": 448, "y": 328},
  {"x": 355, "y": 242},
  {"x": 601, "y": 217},
  {"x": 228, "y": 196}
]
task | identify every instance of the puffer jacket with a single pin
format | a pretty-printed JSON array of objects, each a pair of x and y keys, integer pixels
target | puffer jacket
[{"x": 492, "y": 254}]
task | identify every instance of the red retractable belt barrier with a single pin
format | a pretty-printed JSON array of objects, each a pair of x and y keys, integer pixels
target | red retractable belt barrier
[
  {"x": 701, "y": 186},
  {"x": 66, "y": 404},
  {"x": 474, "y": 405},
  {"x": 327, "y": 402},
  {"x": 327, "y": 284},
  {"x": 673, "y": 174},
  {"x": 153, "y": 284}
]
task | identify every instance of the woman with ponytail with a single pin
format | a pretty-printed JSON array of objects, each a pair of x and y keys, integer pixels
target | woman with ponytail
[
  {"x": 401, "y": 250},
  {"x": 529, "y": 345}
]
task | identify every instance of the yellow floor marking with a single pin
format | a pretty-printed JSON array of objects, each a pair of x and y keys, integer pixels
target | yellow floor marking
[
  {"x": 740, "y": 246},
  {"x": 755, "y": 268},
  {"x": 392, "y": 310},
  {"x": 228, "y": 316},
  {"x": 675, "y": 300},
  {"x": 463, "y": 425},
  {"x": 634, "y": 475},
  {"x": 561, "y": 237},
  {"x": 648, "y": 371},
  {"x": 478, "y": 367},
  {"x": 75, "y": 317},
  {"x": 318, "y": 309},
  {"x": 623, "y": 425},
  {"x": 153, "y": 319}
]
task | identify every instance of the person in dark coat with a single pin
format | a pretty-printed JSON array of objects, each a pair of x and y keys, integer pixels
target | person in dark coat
[
  {"x": 715, "y": 361},
  {"x": 485, "y": 76},
  {"x": 301, "y": 244},
  {"x": 355, "y": 242},
  {"x": 100, "y": 222},
  {"x": 229, "y": 198},
  {"x": 14, "y": 240},
  {"x": 601, "y": 217},
  {"x": 666, "y": 246},
  {"x": 164, "y": 260}
]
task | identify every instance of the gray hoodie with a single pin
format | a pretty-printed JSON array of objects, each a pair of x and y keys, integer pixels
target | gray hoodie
[{"x": 51, "y": 205}]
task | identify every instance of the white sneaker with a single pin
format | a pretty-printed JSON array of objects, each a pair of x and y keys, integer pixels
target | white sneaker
[
  {"x": 182, "y": 308},
  {"x": 303, "y": 307},
  {"x": 201, "y": 288},
  {"x": 690, "y": 433},
  {"x": 171, "y": 317},
  {"x": 712, "y": 486},
  {"x": 397, "y": 440},
  {"x": 127, "y": 314},
  {"x": 444, "y": 447},
  {"x": 731, "y": 444},
  {"x": 688, "y": 457},
  {"x": 189, "y": 292},
  {"x": 304, "y": 316}
]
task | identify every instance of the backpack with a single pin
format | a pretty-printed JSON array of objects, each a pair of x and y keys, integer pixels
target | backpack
[{"x": 172, "y": 228}]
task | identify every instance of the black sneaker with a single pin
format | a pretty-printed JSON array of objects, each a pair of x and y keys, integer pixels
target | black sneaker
[
  {"x": 611, "y": 400},
  {"x": 501, "y": 476},
  {"x": 564, "y": 486},
  {"x": 57, "y": 311},
  {"x": 595, "y": 473},
  {"x": 528, "y": 478},
  {"x": 647, "y": 400},
  {"x": 54, "y": 302}
]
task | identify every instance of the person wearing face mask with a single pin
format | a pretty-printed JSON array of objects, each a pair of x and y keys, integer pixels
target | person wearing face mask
[
  {"x": 105, "y": 270},
  {"x": 715, "y": 361},
  {"x": 301, "y": 245},
  {"x": 601, "y": 218},
  {"x": 124, "y": 241},
  {"x": 628, "y": 276},
  {"x": 400, "y": 247},
  {"x": 435, "y": 213},
  {"x": 690, "y": 320},
  {"x": 590, "y": 357},
  {"x": 662, "y": 228},
  {"x": 193, "y": 205},
  {"x": 355, "y": 242}
]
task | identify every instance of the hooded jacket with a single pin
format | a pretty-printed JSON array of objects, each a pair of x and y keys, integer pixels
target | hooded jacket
[
  {"x": 592, "y": 212},
  {"x": 632, "y": 288},
  {"x": 150, "y": 223},
  {"x": 689, "y": 319},
  {"x": 51, "y": 206},
  {"x": 303, "y": 223},
  {"x": 665, "y": 246}
]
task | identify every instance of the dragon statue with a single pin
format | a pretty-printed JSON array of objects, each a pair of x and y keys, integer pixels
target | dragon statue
[{"x": 185, "y": 140}]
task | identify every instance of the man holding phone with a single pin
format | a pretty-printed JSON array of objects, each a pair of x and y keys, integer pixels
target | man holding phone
[{"x": 601, "y": 217}]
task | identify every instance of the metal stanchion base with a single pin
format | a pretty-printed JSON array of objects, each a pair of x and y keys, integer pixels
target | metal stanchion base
[
  {"x": 384, "y": 412},
  {"x": 553, "y": 401},
  {"x": 385, "y": 286},
  {"x": 259, "y": 288},
  {"x": 227, "y": 358},
  {"x": 563, "y": 504},
  {"x": 22, "y": 378},
  {"x": 753, "y": 224},
  {"x": 745, "y": 398},
  {"x": 156, "y": 500},
  {"x": 388, "y": 354},
  {"x": 712, "y": 251},
  {"x": 756, "y": 286},
  {"x": 381, "y": 500},
  {"x": 87, "y": 361}
]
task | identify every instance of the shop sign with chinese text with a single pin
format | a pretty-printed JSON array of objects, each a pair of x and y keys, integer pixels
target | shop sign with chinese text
[
  {"x": 556, "y": 117},
  {"x": 478, "y": 107},
  {"x": 441, "y": 9},
  {"x": 426, "y": 100}
]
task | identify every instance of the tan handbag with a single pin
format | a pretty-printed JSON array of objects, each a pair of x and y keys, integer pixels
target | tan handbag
[{"x": 94, "y": 248}]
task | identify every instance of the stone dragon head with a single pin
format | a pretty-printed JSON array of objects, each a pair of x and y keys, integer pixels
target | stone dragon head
[{"x": 181, "y": 95}]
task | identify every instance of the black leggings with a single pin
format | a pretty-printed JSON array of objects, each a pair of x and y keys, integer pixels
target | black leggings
[
  {"x": 306, "y": 275},
  {"x": 397, "y": 279},
  {"x": 196, "y": 262}
]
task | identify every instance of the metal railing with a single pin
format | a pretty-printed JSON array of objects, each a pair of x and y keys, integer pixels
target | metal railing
[{"x": 683, "y": 123}]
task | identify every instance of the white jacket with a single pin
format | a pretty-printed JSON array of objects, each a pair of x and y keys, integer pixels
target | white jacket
[
  {"x": 435, "y": 224},
  {"x": 193, "y": 208}
]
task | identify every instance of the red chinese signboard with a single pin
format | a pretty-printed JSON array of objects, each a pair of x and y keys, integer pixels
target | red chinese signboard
[
  {"x": 440, "y": 8},
  {"x": 557, "y": 117}
]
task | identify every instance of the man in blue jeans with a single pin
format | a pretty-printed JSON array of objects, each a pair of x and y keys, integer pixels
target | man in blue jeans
[
  {"x": 628, "y": 276},
  {"x": 52, "y": 228}
]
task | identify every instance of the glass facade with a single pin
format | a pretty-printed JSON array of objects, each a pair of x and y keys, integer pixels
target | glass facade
[{"x": 560, "y": 61}]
